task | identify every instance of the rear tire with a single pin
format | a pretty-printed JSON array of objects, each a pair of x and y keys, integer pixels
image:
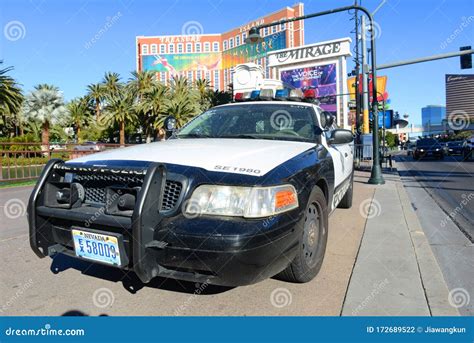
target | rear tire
[
  {"x": 346, "y": 201},
  {"x": 312, "y": 245}
]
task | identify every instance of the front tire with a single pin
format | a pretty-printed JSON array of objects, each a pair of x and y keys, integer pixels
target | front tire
[{"x": 312, "y": 245}]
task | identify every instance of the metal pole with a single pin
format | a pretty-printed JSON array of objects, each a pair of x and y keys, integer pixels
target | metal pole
[
  {"x": 365, "y": 86},
  {"x": 425, "y": 59},
  {"x": 376, "y": 173}
]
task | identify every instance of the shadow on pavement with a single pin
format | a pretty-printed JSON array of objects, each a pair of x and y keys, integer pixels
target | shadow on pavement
[
  {"x": 129, "y": 279},
  {"x": 77, "y": 313}
]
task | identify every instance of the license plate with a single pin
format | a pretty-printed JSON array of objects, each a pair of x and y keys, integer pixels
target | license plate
[{"x": 96, "y": 247}]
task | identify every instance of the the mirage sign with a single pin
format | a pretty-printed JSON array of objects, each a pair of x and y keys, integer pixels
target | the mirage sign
[{"x": 330, "y": 49}]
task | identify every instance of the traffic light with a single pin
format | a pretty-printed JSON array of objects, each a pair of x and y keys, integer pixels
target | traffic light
[{"x": 466, "y": 60}]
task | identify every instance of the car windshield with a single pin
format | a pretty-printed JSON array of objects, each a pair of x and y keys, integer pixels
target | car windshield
[
  {"x": 427, "y": 142},
  {"x": 454, "y": 143},
  {"x": 259, "y": 121}
]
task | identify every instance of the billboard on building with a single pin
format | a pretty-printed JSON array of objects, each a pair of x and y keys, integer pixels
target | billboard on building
[
  {"x": 174, "y": 63},
  {"x": 249, "y": 52},
  {"x": 321, "y": 78}
]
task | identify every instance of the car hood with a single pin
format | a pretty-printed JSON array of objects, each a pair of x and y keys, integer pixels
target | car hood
[{"x": 241, "y": 156}]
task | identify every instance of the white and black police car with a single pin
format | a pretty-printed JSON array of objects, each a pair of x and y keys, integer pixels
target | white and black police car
[{"x": 241, "y": 193}]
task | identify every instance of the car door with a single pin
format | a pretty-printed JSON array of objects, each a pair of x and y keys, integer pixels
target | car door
[{"x": 342, "y": 156}]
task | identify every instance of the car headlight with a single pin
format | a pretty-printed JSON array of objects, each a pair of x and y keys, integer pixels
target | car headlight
[
  {"x": 248, "y": 202},
  {"x": 437, "y": 149},
  {"x": 422, "y": 150}
]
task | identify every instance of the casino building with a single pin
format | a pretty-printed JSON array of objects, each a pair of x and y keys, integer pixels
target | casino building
[{"x": 213, "y": 56}]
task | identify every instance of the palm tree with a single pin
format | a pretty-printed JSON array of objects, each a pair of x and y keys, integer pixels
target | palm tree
[
  {"x": 45, "y": 104},
  {"x": 11, "y": 97},
  {"x": 78, "y": 110},
  {"x": 184, "y": 104},
  {"x": 112, "y": 84},
  {"x": 203, "y": 86},
  {"x": 96, "y": 93},
  {"x": 154, "y": 106},
  {"x": 120, "y": 109},
  {"x": 141, "y": 82}
]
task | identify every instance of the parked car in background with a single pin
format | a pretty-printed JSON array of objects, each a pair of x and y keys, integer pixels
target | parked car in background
[
  {"x": 468, "y": 148},
  {"x": 88, "y": 146},
  {"x": 428, "y": 147},
  {"x": 410, "y": 148},
  {"x": 454, "y": 148}
]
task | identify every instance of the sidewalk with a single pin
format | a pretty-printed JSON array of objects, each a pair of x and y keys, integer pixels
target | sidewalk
[{"x": 395, "y": 273}]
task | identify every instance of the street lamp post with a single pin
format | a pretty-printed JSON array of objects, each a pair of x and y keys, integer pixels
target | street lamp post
[{"x": 254, "y": 37}]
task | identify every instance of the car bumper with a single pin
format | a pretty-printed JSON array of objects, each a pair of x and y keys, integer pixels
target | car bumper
[
  {"x": 214, "y": 250},
  {"x": 428, "y": 153}
]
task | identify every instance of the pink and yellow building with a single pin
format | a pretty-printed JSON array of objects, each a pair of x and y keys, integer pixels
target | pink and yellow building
[{"x": 213, "y": 56}]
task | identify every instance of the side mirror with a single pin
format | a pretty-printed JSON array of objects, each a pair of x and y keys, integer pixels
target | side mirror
[
  {"x": 341, "y": 136},
  {"x": 327, "y": 119},
  {"x": 170, "y": 126}
]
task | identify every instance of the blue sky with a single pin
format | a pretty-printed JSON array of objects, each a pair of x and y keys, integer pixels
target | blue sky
[{"x": 51, "y": 44}]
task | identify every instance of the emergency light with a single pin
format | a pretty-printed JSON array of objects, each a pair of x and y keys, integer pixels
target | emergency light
[{"x": 285, "y": 94}]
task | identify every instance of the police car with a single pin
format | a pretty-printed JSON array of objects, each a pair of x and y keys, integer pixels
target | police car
[{"x": 240, "y": 194}]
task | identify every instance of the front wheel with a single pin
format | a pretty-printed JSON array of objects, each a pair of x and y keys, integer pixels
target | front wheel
[{"x": 312, "y": 244}]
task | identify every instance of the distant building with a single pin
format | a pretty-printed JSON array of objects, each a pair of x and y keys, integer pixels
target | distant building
[
  {"x": 460, "y": 100},
  {"x": 432, "y": 115},
  {"x": 213, "y": 56}
]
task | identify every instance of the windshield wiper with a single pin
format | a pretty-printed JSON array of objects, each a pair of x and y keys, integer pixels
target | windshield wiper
[
  {"x": 240, "y": 136},
  {"x": 195, "y": 135}
]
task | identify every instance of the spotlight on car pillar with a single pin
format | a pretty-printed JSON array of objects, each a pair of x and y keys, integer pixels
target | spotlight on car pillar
[
  {"x": 254, "y": 36},
  {"x": 170, "y": 125}
]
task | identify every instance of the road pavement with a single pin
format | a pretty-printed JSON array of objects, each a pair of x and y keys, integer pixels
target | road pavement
[
  {"x": 450, "y": 182},
  {"x": 442, "y": 195}
]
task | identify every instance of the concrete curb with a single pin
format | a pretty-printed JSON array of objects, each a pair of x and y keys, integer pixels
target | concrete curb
[{"x": 435, "y": 287}]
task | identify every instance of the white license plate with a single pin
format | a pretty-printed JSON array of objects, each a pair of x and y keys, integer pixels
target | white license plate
[{"x": 96, "y": 247}]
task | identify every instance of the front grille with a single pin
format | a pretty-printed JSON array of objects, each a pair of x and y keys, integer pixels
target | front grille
[
  {"x": 171, "y": 195},
  {"x": 94, "y": 187}
]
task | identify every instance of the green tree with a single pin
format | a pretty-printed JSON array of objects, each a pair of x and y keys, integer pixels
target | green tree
[
  {"x": 45, "y": 104},
  {"x": 112, "y": 85},
  {"x": 203, "y": 87},
  {"x": 78, "y": 110},
  {"x": 154, "y": 106},
  {"x": 96, "y": 92},
  {"x": 11, "y": 97},
  {"x": 119, "y": 110},
  {"x": 184, "y": 104}
]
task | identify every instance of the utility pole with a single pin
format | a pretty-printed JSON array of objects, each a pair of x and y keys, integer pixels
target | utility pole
[
  {"x": 365, "y": 86},
  {"x": 357, "y": 73}
]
